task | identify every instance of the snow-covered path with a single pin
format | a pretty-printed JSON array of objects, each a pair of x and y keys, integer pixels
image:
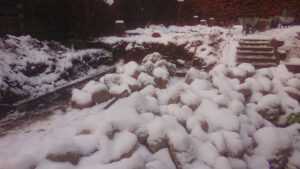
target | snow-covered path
[{"x": 218, "y": 119}]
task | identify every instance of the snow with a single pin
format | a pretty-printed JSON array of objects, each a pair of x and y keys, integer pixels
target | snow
[
  {"x": 202, "y": 120},
  {"x": 164, "y": 157},
  {"x": 19, "y": 162},
  {"x": 257, "y": 161},
  {"x": 146, "y": 79},
  {"x": 148, "y": 91},
  {"x": 269, "y": 102},
  {"x": 222, "y": 119},
  {"x": 109, "y": 2},
  {"x": 234, "y": 143},
  {"x": 81, "y": 97},
  {"x": 294, "y": 82},
  {"x": 142, "y": 104},
  {"x": 122, "y": 144},
  {"x": 208, "y": 153},
  {"x": 131, "y": 68},
  {"x": 218, "y": 141},
  {"x": 222, "y": 163},
  {"x": 270, "y": 141},
  {"x": 236, "y": 106},
  {"x": 93, "y": 87},
  {"x": 51, "y": 165},
  {"x": 247, "y": 67},
  {"x": 161, "y": 73},
  {"x": 237, "y": 163},
  {"x": 23, "y": 60},
  {"x": 294, "y": 159}
]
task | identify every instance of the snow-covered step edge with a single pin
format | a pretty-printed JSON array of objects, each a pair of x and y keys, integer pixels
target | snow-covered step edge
[
  {"x": 255, "y": 48},
  {"x": 254, "y": 43},
  {"x": 259, "y": 65},
  {"x": 250, "y": 52},
  {"x": 257, "y": 57}
]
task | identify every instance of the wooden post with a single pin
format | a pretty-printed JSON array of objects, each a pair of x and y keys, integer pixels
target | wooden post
[
  {"x": 211, "y": 22},
  {"x": 203, "y": 22},
  {"x": 120, "y": 27},
  {"x": 195, "y": 20}
]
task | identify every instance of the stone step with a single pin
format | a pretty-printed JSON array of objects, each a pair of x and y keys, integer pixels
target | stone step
[
  {"x": 258, "y": 52},
  {"x": 256, "y": 58},
  {"x": 265, "y": 40},
  {"x": 254, "y": 43},
  {"x": 259, "y": 65},
  {"x": 255, "y": 48},
  {"x": 254, "y": 53}
]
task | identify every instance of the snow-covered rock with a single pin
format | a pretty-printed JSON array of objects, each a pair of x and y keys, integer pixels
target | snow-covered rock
[
  {"x": 257, "y": 161},
  {"x": 132, "y": 69},
  {"x": 153, "y": 57},
  {"x": 248, "y": 68},
  {"x": 193, "y": 74},
  {"x": 143, "y": 104},
  {"x": 81, "y": 99},
  {"x": 222, "y": 119},
  {"x": 98, "y": 91},
  {"x": 118, "y": 83},
  {"x": 273, "y": 144},
  {"x": 161, "y": 77},
  {"x": 170, "y": 67},
  {"x": 181, "y": 149},
  {"x": 269, "y": 107},
  {"x": 19, "y": 162},
  {"x": 222, "y": 163}
]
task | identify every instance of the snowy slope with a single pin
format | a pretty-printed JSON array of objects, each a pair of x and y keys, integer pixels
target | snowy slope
[{"x": 29, "y": 67}]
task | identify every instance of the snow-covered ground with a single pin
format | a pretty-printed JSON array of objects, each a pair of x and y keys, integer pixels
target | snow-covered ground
[
  {"x": 219, "y": 119},
  {"x": 30, "y": 67}
]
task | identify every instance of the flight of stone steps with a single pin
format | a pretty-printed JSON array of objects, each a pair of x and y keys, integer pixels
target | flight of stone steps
[{"x": 259, "y": 52}]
